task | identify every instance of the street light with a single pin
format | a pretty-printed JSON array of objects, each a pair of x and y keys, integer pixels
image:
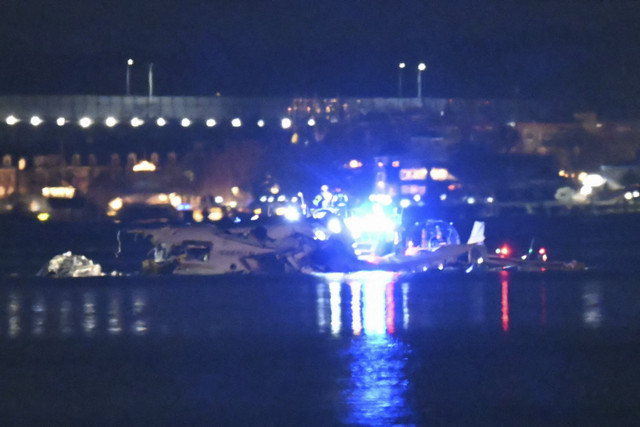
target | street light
[
  {"x": 129, "y": 64},
  {"x": 421, "y": 68},
  {"x": 401, "y": 66}
]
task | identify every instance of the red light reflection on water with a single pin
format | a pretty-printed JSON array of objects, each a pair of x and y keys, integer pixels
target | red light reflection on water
[{"x": 504, "y": 275}]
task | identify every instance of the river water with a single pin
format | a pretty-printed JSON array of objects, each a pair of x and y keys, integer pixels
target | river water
[{"x": 374, "y": 348}]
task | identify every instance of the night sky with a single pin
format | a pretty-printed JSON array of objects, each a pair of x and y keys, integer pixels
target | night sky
[{"x": 586, "y": 51}]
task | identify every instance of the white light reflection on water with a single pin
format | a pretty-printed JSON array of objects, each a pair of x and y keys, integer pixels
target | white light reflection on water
[
  {"x": 356, "y": 313},
  {"x": 13, "y": 315},
  {"x": 89, "y": 319},
  {"x": 66, "y": 316},
  {"x": 39, "y": 315},
  {"x": 45, "y": 314},
  {"x": 140, "y": 325},
  {"x": 321, "y": 302},
  {"x": 376, "y": 389},
  {"x": 115, "y": 315},
  {"x": 592, "y": 310},
  {"x": 405, "y": 305},
  {"x": 336, "y": 312}
]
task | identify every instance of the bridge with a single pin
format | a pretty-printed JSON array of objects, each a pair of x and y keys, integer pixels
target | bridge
[{"x": 64, "y": 110}]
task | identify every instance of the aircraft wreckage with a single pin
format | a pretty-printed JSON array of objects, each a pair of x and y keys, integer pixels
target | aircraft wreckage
[{"x": 323, "y": 246}]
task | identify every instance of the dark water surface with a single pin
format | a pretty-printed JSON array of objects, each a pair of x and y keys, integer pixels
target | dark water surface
[
  {"x": 364, "y": 349},
  {"x": 441, "y": 348}
]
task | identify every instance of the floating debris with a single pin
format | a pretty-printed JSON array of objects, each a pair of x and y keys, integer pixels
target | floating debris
[{"x": 69, "y": 265}]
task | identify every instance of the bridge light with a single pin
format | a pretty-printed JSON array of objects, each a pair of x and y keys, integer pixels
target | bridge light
[
  {"x": 85, "y": 122},
  {"x": 211, "y": 123},
  {"x": 60, "y": 121},
  {"x": 311, "y": 122},
  {"x": 111, "y": 121},
  {"x": 11, "y": 120},
  {"x": 286, "y": 123},
  {"x": 135, "y": 122},
  {"x": 161, "y": 121},
  {"x": 260, "y": 123},
  {"x": 35, "y": 121},
  {"x": 185, "y": 123},
  {"x": 236, "y": 123}
]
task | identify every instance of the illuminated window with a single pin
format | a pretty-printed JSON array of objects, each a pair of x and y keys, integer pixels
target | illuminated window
[
  {"x": 144, "y": 166},
  {"x": 416, "y": 174},
  {"x": 439, "y": 174}
]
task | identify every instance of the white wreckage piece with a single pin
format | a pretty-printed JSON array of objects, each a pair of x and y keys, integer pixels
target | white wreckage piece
[
  {"x": 69, "y": 265},
  {"x": 206, "y": 249}
]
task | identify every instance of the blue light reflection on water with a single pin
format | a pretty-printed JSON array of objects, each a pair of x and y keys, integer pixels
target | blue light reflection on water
[
  {"x": 380, "y": 343},
  {"x": 375, "y": 392}
]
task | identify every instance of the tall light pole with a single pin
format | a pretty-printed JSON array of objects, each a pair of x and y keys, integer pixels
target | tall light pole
[
  {"x": 401, "y": 67},
  {"x": 421, "y": 68},
  {"x": 129, "y": 64}
]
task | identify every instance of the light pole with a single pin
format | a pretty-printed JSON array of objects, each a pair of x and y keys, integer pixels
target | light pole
[
  {"x": 421, "y": 68},
  {"x": 129, "y": 64},
  {"x": 401, "y": 67}
]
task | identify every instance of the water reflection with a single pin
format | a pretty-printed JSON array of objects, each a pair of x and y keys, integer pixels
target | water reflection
[
  {"x": 32, "y": 314},
  {"x": 334, "y": 302},
  {"x": 504, "y": 299},
  {"x": 405, "y": 305},
  {"x": 13, "y": 313},
  {"x": 140, "y": 324},
  {"x": 115, "y": 315},
  {"x": 592, "y": 308},
  {"x": 89, "y": 319},
  {"x": 39, "y": 315},
  {"x": 375, "y": 391}
]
